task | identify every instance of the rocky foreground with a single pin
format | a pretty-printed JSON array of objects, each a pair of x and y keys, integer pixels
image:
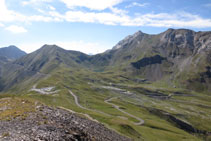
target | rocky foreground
[{"x": 52, "y": 124}]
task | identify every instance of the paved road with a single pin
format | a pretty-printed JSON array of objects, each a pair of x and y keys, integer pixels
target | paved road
[
  {"x": 76, "y": 100},
  {"x": 86, "y": 115},
  {"x": 79, "y": 105},
  {"x": 141, "y": 121}
]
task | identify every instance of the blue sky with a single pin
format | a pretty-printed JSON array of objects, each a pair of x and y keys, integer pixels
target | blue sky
[{"x": 93, "y": 26}]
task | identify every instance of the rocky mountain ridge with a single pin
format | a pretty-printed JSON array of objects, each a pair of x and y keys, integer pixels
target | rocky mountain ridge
[
  {"x": 171, "y": 54},
  {"x": 178, "y": 57}
]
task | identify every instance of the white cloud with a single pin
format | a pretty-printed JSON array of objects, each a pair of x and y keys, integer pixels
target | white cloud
[
  {"x": 8, "y": 15},
  {"x": 115, "y": 16},
  {"x": 118, "y": 11},
  {"x": 38, "y": 18},
  {"x": 29, "y": 2},
  {"x": 85, "y": 47},
  {"x": 137, "y": 4},
  {"x": 181, "y": 19},
  {"x": 92, "y": 4},
  {"x": 41, "y": 11},
  {"x": 51, "y": 8},
  {"x": 16, "y": 29},
  {"x": 92, "y": 17}
]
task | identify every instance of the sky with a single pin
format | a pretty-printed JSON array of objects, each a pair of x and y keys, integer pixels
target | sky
[{"x": 93, "y": 26}]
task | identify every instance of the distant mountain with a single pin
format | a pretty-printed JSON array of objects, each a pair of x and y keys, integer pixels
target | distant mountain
[
  {"x": 39, "y": 64},
  {"x": 50, "y": 56},
  {"x": 7, "y": 55},
  {"x": 11, "y": 52},
  {"x": 179, "y": 58}
]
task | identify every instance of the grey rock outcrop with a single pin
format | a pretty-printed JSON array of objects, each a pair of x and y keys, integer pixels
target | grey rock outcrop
[{"x": 51, "y": 124}]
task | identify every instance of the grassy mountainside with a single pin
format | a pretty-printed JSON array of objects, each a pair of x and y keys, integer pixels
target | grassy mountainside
[
  {"x": 143, "y": 88},
  {"x": 168, "y": 114},
  {"x": 38, "y": 65},
  {"x": 179, "y": 58}
]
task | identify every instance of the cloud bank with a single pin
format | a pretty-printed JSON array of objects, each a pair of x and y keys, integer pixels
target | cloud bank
[
  {"x": 101, "y": 12},
  {"x": 16, "y": 29}
]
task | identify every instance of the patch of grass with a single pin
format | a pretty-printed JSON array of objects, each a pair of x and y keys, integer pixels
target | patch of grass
[
  {"x": 15, "y": 107},
  {"x": 130, "y": 131}
]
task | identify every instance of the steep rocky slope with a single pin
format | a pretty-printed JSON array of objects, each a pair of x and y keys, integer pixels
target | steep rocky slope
[{"x": 34, "y": 121}]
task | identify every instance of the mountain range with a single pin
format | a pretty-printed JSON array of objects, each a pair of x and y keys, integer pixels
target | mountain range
[
  {"x": 147, "y": 87},
  {"x": 179, "y": 58}
]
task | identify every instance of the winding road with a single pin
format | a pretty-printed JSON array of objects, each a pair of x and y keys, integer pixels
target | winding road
[
  {"x": 86, "y": 115},
  {"x": 79, "y": 105},
  {"x": 76, "y": 100},
  {"x": 141, "y": 121}
]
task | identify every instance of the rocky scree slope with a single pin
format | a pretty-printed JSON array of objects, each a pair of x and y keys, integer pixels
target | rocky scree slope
[{"x": 40, "y": 122}]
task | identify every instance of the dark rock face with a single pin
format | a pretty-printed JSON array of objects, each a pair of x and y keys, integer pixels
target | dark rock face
[
  {"x": 179, "y": 123},
  {"x": 157, "y": 59},
  {"x": 208, "y": 72},
  {"x": 55, "y": 125}
]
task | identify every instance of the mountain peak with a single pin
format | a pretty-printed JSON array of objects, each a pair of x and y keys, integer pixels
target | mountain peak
[
  {"x": 170, "y": 29},
  {"x": 138, "y": 33},
  {"x": 11, "y": 52},
  {"x": 126, "y": 40},
  {"x": 50, "y": 46},
  {"x": 12, "y": 46},
  {"x": 181, "y": 30}
]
